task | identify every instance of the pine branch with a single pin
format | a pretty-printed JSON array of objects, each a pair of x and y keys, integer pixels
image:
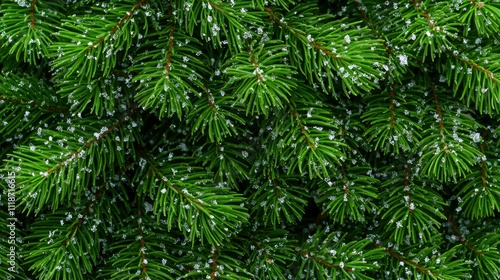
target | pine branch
[
  {"x": 270, "y": 253},
  {"x": 412, "y": 211},
  {"x": 57, "y": 247},
  {"x": 67, "y": 150},
  {"x": 478, "y": 78},
  {"x": 393, "y": 129},
  {"x": 481, "y": 246},
  {"x": 184, "y": 193},
  {"x": 480, "y": 189},
  {"x": 425, "y": 264},
  {"x": 169, "y": 74},
  {"x": 138, "y": 251},
  {"x": 314, "y": 51},
  {"x": 233, "y": 164},
  {"x": 88, "y": 46},
  {"x": 277, "y": 199},
  {"x": 209, "y": 139},
  {"x": 481, "y": 15},
  {"x": 262, "y": 78},
  {"x": 217, "y": 115},
  {"x": 451, "y": 156},
  {"x": 349, "y": 195},
  {"x": 29, "y": 42},
  {"x": 326, "y": 256}
]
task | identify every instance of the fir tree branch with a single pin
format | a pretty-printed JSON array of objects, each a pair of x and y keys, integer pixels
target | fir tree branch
[
  {"x": 490, "y": 75},
  {"x": 324, "y": 56},
  {"x": 84, "y": 215},
  {"x": 392, "y": 108},
  {"x": 192, "y": 198},
  {"x": 481, "y": 15},
  {"x": 261, "y": 248},
  {"x": 218, "y": 116},
  {"x": 400, "y": 258},
  {"x": 28, "y": 33},
  {"x": 398, "y": 130},
  {"x": 217, "y": 146},
  {"x": 479, "y": 5},
  {"x": 262, "y": 81},
  {"x": 278, "y": 198},
  {"x": 90, "y": 45},
  {"x": 86, "y": 146},
  {"x": 480, "y": 187},
  {"x": 277, "y": 18},
  {"x": 270, "y": 252},
  {"x": 119, "y": 25},
  {"x": 361, "y": 10},
  {"x": 439, "y": 28},
  {"x": 303, "y": 129},
  {"x": 168, "y": 89},
  {"x": 413, "y": 212},
  {"x": 461, "y": 239},
  {"x": 33, "y": 103},
  {"x": 475, "y": 78},
  {"x": 322, "y": 262}
]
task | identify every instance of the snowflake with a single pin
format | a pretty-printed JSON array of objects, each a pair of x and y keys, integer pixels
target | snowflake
[
  {"x": 347, "y": 38},
  {"x": 476, "y": 137},
  {"x": 403, "y": 59}
]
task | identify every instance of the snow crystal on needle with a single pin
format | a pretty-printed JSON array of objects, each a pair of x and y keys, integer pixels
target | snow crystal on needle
[
  {"x": 476, "y": 137},
  {"x": 403, "y": 59},
  {"x": 347, "y": 38}
]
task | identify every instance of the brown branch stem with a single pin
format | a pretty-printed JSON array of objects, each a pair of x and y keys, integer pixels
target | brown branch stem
[
  {"x": 214, "y": 264},
  {"x": 85, "y": 213},
  {"x": 461, "y": 238},
  {"x": 322, "y": 262},
  {"x": 32, "y": 13},
  {"x": 400, "y": 258},
  {"x": 440, "y": 116},
  {"x": 142, "y": 245},
  {"x": 18, "y": 101}
]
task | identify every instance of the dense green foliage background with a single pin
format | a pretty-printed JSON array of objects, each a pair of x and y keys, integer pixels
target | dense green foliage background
[{"x": 250, "y": 139}]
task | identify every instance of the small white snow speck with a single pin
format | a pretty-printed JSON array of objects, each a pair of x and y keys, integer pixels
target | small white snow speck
[
  {"x": 347, "y": 38},
  {"x": 403, "y": 59},
  {"x": 476, "y": 137}
]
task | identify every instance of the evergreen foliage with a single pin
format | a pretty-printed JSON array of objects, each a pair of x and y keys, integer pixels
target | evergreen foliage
[{"x": 251, "y": 139}]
